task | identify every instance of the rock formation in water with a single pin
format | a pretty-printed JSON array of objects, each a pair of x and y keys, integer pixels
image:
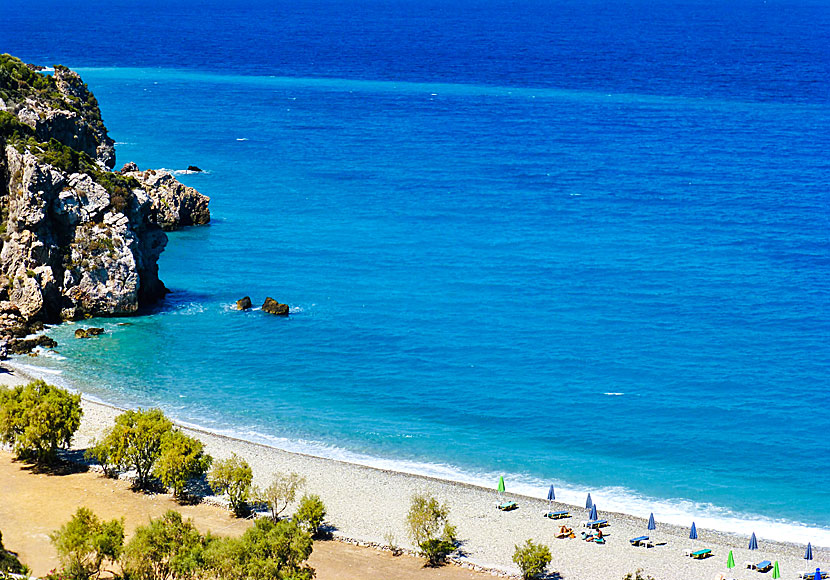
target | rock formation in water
[
  {"x": 273, "y": 307},
  {"x": 76, "y": 239}
]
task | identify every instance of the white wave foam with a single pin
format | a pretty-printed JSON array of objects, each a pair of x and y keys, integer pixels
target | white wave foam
[
  {"x": 32, "y": 369},
  {"x": 241, "y": 138},
  {"x": 614, "y": 394},
  {"x": 183, "y": 171}
]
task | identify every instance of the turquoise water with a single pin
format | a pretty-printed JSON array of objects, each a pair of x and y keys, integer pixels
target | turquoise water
[{"x": 614, "y": 283}]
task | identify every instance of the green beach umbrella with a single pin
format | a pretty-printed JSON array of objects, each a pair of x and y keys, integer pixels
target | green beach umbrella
[
  {"x": 501, "y": 484},
  {"x": 730, "y": 561},
  {"x": 776, "y": 573}
]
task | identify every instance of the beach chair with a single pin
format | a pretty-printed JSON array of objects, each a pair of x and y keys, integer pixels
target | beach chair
[
  {"x": 700, "y": 554},
  {"x": 638, "y": 540},
  {"x": 809, "y": 575},
  {"x": 594, "y": 524},
  {"x": 507, "y": 506},
  {"x": 762, "y": 566},
  {"x": 557, "y": 515}
]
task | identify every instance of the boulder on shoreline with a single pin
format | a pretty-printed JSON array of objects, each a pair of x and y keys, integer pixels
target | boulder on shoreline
[
  {"x": 273, "y": 307},
  {"x": 243, "y": 303}
]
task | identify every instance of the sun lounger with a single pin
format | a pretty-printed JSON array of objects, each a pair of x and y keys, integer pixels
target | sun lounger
[
  {"x": 812, "y": 574},
  {"x": 638, "y": 540},
  {"x": 507, "y": 506},
  {"x": 557, "y": 515},
  {"x": 594, "y": 524},
  {"x": 700, "y": 554},
  {"x": 762, "y": 566}
]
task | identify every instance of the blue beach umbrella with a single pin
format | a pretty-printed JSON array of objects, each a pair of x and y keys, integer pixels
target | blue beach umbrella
[
  {"x": 593, "y": 515},
  {"x": 808, "y": 555},
  {"x": 588, "y": 502},
  {"x": 651, "y": 524},
  {"x": 693, "y": 533},
  {"x": 551, "y": 496},
  {"x": 753, "y": 542}
]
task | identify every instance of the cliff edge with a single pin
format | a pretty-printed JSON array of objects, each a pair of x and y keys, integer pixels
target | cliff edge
[{"x": 76, "y": 239}]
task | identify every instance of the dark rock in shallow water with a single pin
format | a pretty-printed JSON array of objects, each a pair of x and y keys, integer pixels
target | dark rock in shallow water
[
  {"x": 88, "y": 332},
  {"x": 194, "y": 169},
  {"x": 273, "y": 307},
  {"x": 27, "y": 345},
  {"x": 243, "y": 303}
]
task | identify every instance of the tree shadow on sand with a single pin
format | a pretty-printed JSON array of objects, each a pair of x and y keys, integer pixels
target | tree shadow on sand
[{"x": 68, "y": 462}]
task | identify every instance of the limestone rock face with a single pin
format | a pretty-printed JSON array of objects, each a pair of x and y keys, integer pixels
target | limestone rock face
[
  {"x": 273, "y": 307},
  {"x": 243, "y": 303},
  {"x": 174, "y": 205}
]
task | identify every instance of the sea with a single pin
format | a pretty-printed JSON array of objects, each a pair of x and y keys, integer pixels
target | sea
[{"x": 571, "y": 242}]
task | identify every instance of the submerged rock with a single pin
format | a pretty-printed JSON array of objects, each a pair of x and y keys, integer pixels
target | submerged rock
[
  {"x": 243, "y": 303},
  {"x": 273, "y": 307},
  {"x": 27, "y": 345},
  {"x": 194, "y": 169}
]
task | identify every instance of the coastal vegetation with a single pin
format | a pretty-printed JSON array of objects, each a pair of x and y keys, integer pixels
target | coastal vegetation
[
  {"x": 85, "y": 542},
  {"x": 37, "y": 419},
  {"x": 532, "y": 559},
  {"x": 310, "y": 513},
  {"x": 430, "y": 529},
  {"x": 9, "y": 562},
  {"x": 281, "y": 492},
  {"x": 182, "y": 460},
  {"x": 166, "y": 548},
  {"x": 232, "y": 476}
]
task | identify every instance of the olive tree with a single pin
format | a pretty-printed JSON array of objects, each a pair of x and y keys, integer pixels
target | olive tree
[
  {"x": 37, "y": 419},
  {"x": 181, "y": 460},
  {"x": 85, "y": 542},
  {"x": 232, "y": 476},
  {"x": 430, "y": 529}
]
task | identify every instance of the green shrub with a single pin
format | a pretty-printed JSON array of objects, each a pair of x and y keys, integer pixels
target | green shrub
[
  {"x": 37, "y": 419},
  {"x": 532, "y": 559},
  {"x": 280, "y": 493},
  {"x": 9, "y": 562},
  {"x": 168, "y": 547},
  {"x": 182, "y": 460},
  {"x": 85, "y": 542},
  {"x": 429, "y": 528},
  {"x": 100, "y": 452},
  {"x": 234, "y": 477},
  {"x": 637, "y": 575},
  {"x": 310, "y": 513},
  {"x": 134, "y": 442},
  {"x": 269, "y": 550}
]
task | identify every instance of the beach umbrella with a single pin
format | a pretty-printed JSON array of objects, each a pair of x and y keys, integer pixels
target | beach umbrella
[
  {"x": 551, "y": 496},
  {"x": 776, "y": 573},
  {"x": 593, "y": 515},
  {"x": 693, "y": 533},
  {"x": 651, "y": 524},
  {"x": 730, "y": 561},
  {"x": 808, "y": 555},
  {"x": 588, "y": 502},
  {"x": 501, "y": 484},
  {"x": 753, "y": 542}
]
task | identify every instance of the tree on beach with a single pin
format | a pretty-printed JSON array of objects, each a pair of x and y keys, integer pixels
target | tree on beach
[
  {"x": 430, "y": 529},
  {"x": 532, "y": 559},
  {"x": 234, "y": 477},
  {"x": 269, "y": 550},
  {"x": 280, "y": 493},
  {"x": 85, "y": 542},
  {"x": 310, "y": 513},
  {"x": 182, "y": 459},
  {"x": 37, "y": 419},
  {"x": 134, "y": 442},
  {"x": 166, "y": 548}
]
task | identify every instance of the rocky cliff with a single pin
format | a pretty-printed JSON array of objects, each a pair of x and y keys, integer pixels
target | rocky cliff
[{"x": 76, "y": 239}]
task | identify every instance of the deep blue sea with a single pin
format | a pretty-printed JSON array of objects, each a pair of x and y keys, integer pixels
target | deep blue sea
[{"x": 572, "y": 242}]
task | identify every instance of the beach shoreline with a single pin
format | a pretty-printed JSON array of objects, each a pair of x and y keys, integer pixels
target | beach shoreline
[{"x": 366, "y": 504}]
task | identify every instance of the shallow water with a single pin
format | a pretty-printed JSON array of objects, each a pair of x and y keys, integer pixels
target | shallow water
[{"x": 609, "y": 273}]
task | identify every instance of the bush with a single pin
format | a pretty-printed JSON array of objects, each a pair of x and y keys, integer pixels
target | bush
[
  {"x": 638, "y": 575},
  {"x": 532, "y": 559},
  {"x": 310, "y": 513},
  {"x": 37, "y": 419},
  {"x": 168, "y": 547},
  {"x": 85, "y": 542},
  {"x": 280, "y": 493},
  {"x": 9, "y": 562},
  {"x": 429, "y": 528},
  {"x": 232, "y": 476},
  {"x": 100, "y": 452},
  {"x": 134, "y": 442},
  {"x": 182, "y": 459},
  {"x": 269, "y": 550}
]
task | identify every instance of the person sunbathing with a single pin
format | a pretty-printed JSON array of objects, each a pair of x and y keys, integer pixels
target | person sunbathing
[{"x": 599, "y": 534}]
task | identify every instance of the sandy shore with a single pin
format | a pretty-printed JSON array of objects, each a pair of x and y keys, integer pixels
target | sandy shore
[{"x": 366, "y": 504}]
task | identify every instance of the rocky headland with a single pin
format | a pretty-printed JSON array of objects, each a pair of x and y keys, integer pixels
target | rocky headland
[{"x": 76, "y": 239}]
